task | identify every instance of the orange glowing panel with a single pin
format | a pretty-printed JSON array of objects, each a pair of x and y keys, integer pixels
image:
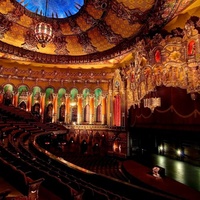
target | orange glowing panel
[
  {"x": 191, "y": 48},
  {"x": 158, "y": 56}
]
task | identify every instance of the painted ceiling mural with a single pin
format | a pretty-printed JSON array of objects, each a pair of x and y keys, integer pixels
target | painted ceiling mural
[
  {"x": 100, "y": 31},
  {"x": 53, "y": 8}
]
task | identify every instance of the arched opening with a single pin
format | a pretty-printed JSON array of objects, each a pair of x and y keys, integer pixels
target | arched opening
[
  {"x": 62, "y": 113},
  {"x": 84, "y": 146},
  {"x": 22, "y": 105},
  {"x": 87, "y": 113},
  {"x": 49, "y": 113},
  {"x": 74, "y": 114},
  {"x": 98, "y": 113},
  {"x": 96, "y": 149},
  {"x": 36, "y": 109},
  {"x": 7, "y": 98},
  {"x": 72, "y": 145}
]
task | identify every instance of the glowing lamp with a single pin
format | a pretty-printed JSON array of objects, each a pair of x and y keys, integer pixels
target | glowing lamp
[{"x": 43, "y": 33}]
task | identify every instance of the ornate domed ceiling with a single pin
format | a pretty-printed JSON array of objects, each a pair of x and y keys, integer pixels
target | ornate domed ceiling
[{"x": 93, "y": 33}]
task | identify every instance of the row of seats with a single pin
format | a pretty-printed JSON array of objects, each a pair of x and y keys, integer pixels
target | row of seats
[
  {"x": 15, "y": 113},
  {"x": 95, "y": 184},
  {"x": 27, "y": 159},
  {"x": 106, "y": 165},
  {"x": 58, "y": 175},
  {"x": 33, "y": 168},
  {"x": 73, "y": 184},
  {"x": 18, "y": 176}
]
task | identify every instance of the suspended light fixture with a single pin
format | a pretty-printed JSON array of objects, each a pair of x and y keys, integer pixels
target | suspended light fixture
[
  {"x": 152, "y": 102},
  {"x": 43, "y": 31}
]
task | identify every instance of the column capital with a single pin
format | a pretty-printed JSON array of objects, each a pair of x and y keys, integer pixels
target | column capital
[
  {"x": 55, "y": 94},
  {"x": 42, "y": 94},
  {"x": 67, "y": 95},
  {"x": 91, "y": 95},
  {"x": 104, "y": 95},
  {"x": 79, "y": 95}
]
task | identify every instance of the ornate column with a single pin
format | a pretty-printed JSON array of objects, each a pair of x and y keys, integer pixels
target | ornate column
[
  {"x": 55, "y": 107},
  {"x": 117, "y": 110},
  {"x": 1, "y": 95},
  {"x": 29, "y": 101},
  {"x": 91, "y": 109},
  {"x": 42, "y": 105},
  {"x": 103, "y": 121},
  {"x": 15, "y": 98},
  {"x": 110, "y": 108},
  {"x": 67, "y": 108},
  {"x": 79, "y": 114},
  {"x": 85, "y": 102},
  {"x": 123, "y": 105}
]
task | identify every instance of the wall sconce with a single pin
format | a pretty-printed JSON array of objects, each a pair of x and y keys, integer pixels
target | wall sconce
[
  {"x": 73, "y": 103},
  {"x": 193, "y": 96},
  {"x": 178, "y": 152},
  {"x": 161, "y": 149}
]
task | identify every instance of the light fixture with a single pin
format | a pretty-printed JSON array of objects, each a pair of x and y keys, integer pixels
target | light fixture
[
  {"x": 43, "y": 31},
  {"x": 193, "y": 96},
  {"x": 152, "y": 102},
  {"x": 73, "y": 103}
]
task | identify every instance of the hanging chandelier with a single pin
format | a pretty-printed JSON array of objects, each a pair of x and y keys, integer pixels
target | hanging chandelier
[
  {"x": 43, "y": 31},
  {"x": 152, "y": 101}
]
